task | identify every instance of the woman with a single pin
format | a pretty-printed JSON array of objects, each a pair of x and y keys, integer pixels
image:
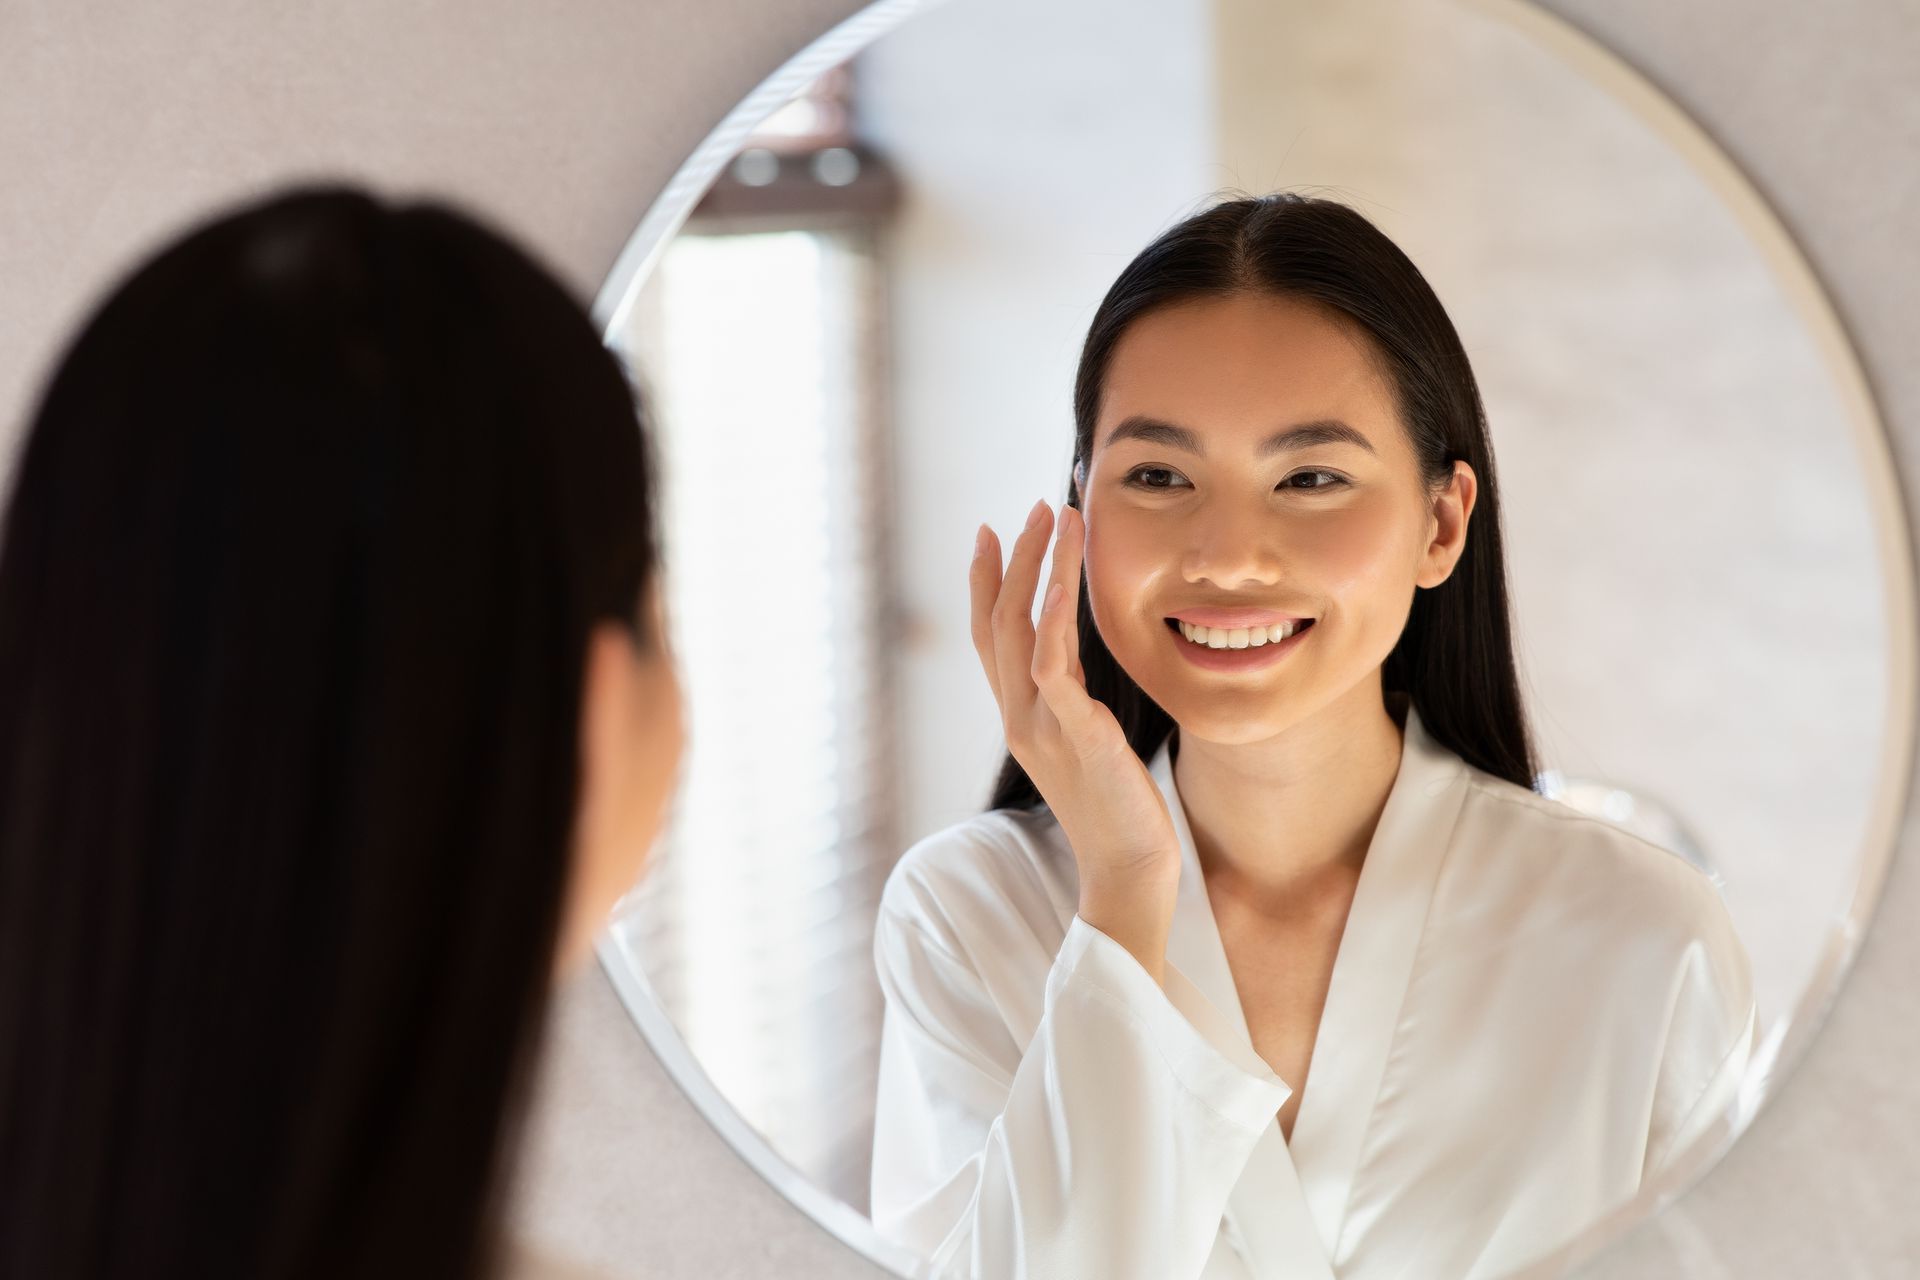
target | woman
[
  {"x": 336, "y": 710},
  {"x": 1266, "y": 960}
]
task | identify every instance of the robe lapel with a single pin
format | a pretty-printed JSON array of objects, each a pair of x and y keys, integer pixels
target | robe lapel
[
  {"x": 1289, "y": 1207},
  {"x": 1371, "y": 973},
  {"x": 1266, "y": 1215}
]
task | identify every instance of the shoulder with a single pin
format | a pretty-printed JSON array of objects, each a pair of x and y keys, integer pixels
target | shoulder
[
  {"x": 1581, "y": 868},
  {"x": 1639, "y": 928},
  {"x": 992, "y": 875}
]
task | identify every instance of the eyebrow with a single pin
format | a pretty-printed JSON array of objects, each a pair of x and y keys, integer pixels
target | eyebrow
[{"x": 1299, "y": 436}]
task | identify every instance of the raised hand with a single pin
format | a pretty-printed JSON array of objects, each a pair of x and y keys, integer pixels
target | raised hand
[{"x": 1068, "y": 742}]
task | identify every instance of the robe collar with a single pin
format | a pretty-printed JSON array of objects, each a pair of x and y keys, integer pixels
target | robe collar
[{"x": 1288, "y": 1209}]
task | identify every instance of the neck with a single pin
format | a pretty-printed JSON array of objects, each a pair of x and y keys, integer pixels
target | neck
[{"x": 1276, "y": 819}]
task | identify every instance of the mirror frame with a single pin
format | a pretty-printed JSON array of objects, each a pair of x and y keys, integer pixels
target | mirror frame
[{"x": 1584, "y": 56}]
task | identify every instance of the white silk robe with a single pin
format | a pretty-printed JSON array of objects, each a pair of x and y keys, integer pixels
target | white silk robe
[{"x": 1530, "y": 1011}]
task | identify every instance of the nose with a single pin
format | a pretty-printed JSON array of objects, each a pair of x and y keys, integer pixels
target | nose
[{"x": 1232, "y": 545}]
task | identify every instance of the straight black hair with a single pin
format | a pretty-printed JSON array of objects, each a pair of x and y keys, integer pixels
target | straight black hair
[
  {"x": 1454, "y": 659},
  {"x": 305, "y": 544}
]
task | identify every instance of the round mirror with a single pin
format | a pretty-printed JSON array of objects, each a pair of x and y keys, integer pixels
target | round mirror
[{"x": 858, "y": 312}]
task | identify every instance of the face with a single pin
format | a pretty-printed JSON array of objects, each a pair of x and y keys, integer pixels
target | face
[
  {"x": 1327, "y": 528},
  {"x": 632, "y": 734}
]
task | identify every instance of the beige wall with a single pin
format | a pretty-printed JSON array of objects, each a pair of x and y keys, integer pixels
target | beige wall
[{"x": 117, "y": 121}]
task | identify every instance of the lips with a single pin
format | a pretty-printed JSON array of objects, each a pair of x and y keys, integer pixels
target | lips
[
  {"x": 1230, "y": 660},
  {"x": 1239, "y": 637}
]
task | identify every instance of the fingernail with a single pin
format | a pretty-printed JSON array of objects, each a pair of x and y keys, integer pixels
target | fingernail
[
  {"x": 1053, "y": 596},
  {"x": 980, "y": 542},
  {"x": 1033, "y": 516}
]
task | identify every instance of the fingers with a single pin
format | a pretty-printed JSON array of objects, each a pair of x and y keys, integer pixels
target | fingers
[
  {"x": 1057, "y": 642},
  {"x": 983, "y": 585},
  {"x": 1011, "y": 617}
]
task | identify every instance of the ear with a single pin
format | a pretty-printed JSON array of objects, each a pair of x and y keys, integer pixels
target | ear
[
  {"x": 1080, "y": 482},
  {"x": 1447, "y": 518}
]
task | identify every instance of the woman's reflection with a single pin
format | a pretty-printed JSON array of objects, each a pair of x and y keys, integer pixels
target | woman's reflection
[{"x": 1266, "y": 959}]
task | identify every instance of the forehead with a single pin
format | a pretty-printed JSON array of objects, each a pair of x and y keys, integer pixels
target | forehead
[{"x": 1246, "y": 362}]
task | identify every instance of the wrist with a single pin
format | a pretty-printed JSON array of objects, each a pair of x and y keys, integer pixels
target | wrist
[
  {"x": 1147, "y": 886},
  {"x": 1137, "y": 916}
]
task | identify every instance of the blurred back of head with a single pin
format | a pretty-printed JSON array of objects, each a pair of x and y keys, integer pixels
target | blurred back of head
[{"x": 303, "y": 549}]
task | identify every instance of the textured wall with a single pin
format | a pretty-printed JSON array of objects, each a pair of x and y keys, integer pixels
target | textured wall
[{"x": 118, "y": 121}]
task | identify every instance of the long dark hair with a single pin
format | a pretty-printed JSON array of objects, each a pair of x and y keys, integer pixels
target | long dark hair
[
  {"x": 304, "y": 549},
  {"x": 1454, "y": 659}
]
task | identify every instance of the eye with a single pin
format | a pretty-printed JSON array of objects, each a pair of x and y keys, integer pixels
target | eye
[
  {"x": 1132, "y": 477},
  {"x": 1333, "y": 479}
]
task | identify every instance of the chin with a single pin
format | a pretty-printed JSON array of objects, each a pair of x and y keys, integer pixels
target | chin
[
  {"x": 1251, "y": 712},
  {"x": 1228, "y": 726}
]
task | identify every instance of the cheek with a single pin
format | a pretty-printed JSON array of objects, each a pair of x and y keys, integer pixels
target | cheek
[
  {"x": 1358, "y": 551},
  {"x": 1120, "y": 561}
]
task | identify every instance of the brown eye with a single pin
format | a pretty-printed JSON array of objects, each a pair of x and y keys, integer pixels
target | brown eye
[
  {"x": 1133, "y": 477},
  {"x": 1333, "y": 479}
]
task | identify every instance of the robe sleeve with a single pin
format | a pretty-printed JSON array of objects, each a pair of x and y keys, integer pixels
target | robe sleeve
[
  {"x": 1710, "y": 1039},
  {"x": 1106, "y": 1146}
]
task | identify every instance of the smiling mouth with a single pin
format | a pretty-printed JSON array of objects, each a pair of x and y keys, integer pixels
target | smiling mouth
[{"x": 1236, "y": 637}]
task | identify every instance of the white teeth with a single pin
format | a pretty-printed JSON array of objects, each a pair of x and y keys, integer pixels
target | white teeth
[{"x": 1238, "y": 637}]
